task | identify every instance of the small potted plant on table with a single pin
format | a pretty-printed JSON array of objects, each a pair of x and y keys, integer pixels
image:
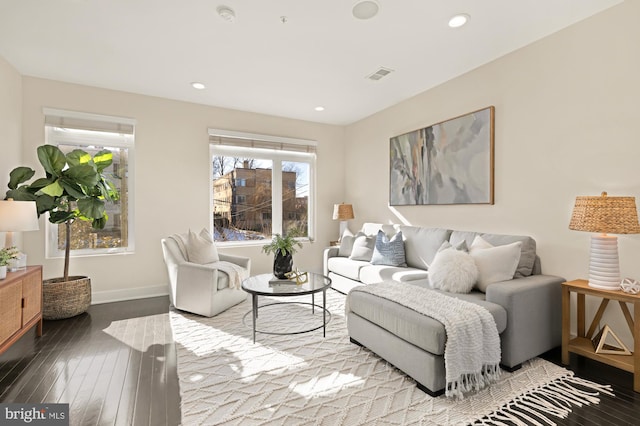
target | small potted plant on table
[
  {"x": 6, "y": 254},
  {"x": 283, "y": 248}
]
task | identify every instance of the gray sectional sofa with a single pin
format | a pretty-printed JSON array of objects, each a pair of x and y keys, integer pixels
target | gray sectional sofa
[{"x": 525, "y": 307}]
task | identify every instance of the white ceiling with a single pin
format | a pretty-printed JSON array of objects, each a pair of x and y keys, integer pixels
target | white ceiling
[{"x": 320, "y": 56}]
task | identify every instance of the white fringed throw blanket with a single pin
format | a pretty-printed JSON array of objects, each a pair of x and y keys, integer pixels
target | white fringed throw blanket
[
  {"x": 236, "y": 273},
  {"x": 472, "y": 350}
]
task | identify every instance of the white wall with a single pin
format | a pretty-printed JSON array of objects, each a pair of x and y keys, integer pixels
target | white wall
[
  {"x": 567, "y": 115},
  {"x": 10, "y": 125},
  {"x": 172, "y": 179}
]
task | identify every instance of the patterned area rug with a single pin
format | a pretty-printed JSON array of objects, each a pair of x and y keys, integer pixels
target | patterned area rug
[{"x": 305, "y": 379}]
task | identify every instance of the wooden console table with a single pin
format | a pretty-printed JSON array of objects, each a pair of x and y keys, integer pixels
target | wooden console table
[
  {"x": 582, "y": 345},
  {"x": 20, "y": 305}
]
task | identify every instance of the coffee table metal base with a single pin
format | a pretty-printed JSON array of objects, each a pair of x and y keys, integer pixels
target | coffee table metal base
[{"x": 326, "y": 316}]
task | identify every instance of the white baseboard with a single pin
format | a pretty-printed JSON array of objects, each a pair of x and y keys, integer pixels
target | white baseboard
[{"x": 99, "y": 297}]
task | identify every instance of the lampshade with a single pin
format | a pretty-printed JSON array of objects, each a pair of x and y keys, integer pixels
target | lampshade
[
  {"x": 16, "y": 216},
  {"x": 342, "y": 211},
  {"x": 607, "y": 215}
]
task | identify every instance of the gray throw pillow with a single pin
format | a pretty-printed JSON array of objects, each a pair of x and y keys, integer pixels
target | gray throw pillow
[
  {"x": 460, "y": 246},
  {"x": 362, "y": 247},
  {"x": 388, "y": 251}
]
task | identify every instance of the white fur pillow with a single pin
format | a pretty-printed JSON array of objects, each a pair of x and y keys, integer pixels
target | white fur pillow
[
  {"x": 201, "y": 248},
  {"x": 453, "y": 270}
]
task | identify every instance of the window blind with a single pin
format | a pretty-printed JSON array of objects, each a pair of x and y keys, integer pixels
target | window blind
[
  {"x": 250, "y": 140},
  {"x": 87, "y": 121}
]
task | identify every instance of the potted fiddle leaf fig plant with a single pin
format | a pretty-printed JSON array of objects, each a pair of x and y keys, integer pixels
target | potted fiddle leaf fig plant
[
  {"x": 283, "y": 248},
  {"x": 74, "y": 188}
]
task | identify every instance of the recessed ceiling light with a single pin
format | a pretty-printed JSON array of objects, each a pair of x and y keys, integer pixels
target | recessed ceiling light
[
  {"x": 365, "y": 9},
  {"x": 319, "y": 108},
  {"x": 226, "y": 13},
  {"x": 458, "y": 20},
  {"x": 198, "y": 85}
]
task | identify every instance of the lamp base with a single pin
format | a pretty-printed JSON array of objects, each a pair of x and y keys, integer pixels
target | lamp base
[
  {"x": 604, "y": 264},
  {"x": 343, "y": 227}
]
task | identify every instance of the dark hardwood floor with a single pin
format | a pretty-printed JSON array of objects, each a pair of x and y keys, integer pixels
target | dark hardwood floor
[
  {"x": 109, "y": 371},
  {"x": 112, "y": 374},
  {"x": 623, "y": 409}
]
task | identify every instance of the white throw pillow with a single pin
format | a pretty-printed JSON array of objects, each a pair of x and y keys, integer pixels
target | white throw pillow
[
  {"x": 346, "y": 243},
  {"x": 363, "y": 247},
  {"x": 494, "y": 264},
  {"x": 201, "y": 248},
  {"x": 453, "y": 270}
]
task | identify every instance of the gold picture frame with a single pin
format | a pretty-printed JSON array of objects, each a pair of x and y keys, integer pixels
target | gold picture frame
[{"x": 451, "y": 162}]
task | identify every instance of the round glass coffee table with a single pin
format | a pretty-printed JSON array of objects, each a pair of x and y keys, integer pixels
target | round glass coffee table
[{"x": 259, "y": 285}]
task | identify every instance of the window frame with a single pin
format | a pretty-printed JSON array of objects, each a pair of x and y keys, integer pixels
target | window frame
[
  {"x": 277, "y": 155},
  {"x": 108, "y": 138}
]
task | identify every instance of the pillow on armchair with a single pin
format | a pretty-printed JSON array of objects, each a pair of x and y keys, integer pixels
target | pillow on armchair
[{"x": 201, "y": 248}]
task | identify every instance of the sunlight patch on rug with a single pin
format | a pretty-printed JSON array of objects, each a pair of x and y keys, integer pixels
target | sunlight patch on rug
[
  {"x": 306, "y": 379},
  {"x": 325, "y": 385}
]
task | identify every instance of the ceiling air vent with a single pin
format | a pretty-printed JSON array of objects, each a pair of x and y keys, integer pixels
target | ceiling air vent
[{"x": 379, "y": 74}]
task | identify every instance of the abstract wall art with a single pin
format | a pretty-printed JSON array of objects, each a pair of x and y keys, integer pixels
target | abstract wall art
[{"x": 447, "y": 163}]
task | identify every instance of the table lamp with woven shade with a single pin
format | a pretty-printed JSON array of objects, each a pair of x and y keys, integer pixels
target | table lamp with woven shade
[
  {"x": 342, "y": 212},
  {"x": 605, "y": 215}
]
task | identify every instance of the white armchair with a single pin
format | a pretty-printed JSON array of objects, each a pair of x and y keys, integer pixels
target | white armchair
[{"x": 202, "y": 289}]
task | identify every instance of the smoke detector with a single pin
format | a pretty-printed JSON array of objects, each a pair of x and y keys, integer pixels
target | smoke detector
[
  {"x": 226, "y": 13},
  {"x": 365, "y": 9}
]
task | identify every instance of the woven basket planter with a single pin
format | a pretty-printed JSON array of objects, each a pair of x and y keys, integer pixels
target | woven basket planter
[{"x": 65, "y": 299}]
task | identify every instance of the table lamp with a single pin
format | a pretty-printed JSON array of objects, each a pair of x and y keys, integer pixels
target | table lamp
[
  {"x": 342, "y": 212},
  {"x": 605, "y": 215},
  {"x": 17, "y": 216}
]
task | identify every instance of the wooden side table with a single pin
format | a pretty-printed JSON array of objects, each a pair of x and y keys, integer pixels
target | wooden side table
[
  {"x": 582, "y": 345},
  {"x": 20, "y": 305}
]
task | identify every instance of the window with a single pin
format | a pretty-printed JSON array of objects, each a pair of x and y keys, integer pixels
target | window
[
  {"x": 277, "y": 190},
  {"x": 91, "y": 133}
]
